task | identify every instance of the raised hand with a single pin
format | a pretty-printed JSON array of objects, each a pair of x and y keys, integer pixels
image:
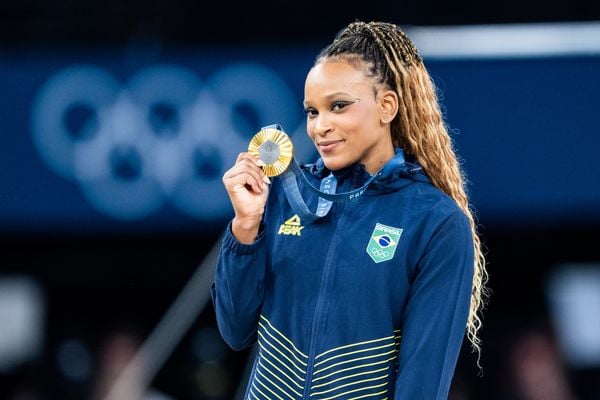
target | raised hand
[{"x": 247, "y": 187}]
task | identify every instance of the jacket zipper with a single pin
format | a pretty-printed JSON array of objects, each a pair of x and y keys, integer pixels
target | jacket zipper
[{"x": 319, "y": 315}]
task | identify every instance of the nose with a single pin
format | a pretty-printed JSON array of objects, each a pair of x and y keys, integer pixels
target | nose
[{"x": 322, "y": 125}]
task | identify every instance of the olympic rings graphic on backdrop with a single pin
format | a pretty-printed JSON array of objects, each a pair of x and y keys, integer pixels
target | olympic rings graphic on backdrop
[
  {"x": 379, "y": 253},
  {"x": 165, "y": 135}
]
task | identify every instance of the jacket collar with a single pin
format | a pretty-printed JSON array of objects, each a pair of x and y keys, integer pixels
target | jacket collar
[{"x": 354, "y": 176}]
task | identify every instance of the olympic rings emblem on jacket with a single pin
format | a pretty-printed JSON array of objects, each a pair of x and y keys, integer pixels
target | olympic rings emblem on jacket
[{"x": 379, "y": 253}]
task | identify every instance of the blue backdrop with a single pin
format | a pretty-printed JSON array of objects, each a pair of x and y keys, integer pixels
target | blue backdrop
[{"x": 138, "y": 139}]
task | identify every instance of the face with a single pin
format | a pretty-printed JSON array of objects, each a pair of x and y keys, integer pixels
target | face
[{"x": 348, "y": 116}]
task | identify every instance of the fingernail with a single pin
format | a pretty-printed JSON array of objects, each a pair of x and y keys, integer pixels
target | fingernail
[
  {"x": 266, "y": 180},
  {"x": 260, "y": 163}
]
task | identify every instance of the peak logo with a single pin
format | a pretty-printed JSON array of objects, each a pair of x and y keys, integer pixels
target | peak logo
[{"x": 291, "y": 227}]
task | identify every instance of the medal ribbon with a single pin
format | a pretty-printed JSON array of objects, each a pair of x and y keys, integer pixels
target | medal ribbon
[{"x": 327, "y": 189}]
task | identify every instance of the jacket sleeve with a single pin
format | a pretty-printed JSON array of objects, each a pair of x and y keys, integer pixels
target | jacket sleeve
[
  {"x": 237, "y": 291},
  {"x": 436, "y": 314}
]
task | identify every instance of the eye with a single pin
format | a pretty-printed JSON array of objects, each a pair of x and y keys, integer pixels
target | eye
[
  {"x": 310, "y": 112},
  {"x": 339, "y": 105}
]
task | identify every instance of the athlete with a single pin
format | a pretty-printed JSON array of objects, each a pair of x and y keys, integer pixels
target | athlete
[{"x": 373, "y": 299}]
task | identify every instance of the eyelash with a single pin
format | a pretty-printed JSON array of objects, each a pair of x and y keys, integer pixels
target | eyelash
[{"x": 311, "y": 112}]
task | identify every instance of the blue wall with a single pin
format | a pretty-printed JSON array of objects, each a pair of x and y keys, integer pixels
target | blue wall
[{"x": 129, "y": 140}]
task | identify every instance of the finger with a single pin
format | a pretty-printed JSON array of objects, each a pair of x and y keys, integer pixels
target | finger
[
  {"x": 254, "y": 181},
  {"x": 259, "y": 175},
  {"x": 246, "y": 166},
  {"x": 241, "y": 155},
  {"x": 248, "y": 156},
  {"x": 242, "y": 176},
  {"x": 250, "y": 163},
  {"x": 247, "y": 163}
]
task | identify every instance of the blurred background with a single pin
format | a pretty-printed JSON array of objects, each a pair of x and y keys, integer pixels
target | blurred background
[{"x": 118, "y": 119}]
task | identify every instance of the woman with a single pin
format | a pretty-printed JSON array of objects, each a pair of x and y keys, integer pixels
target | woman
[{"x": 371, "y": 300}]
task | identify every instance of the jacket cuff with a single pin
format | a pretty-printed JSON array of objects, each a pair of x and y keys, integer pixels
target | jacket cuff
[{"x": 231, "y": 243}]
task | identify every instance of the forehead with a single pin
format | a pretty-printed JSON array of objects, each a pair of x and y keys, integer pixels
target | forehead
[{"x": 335, "y": 76}]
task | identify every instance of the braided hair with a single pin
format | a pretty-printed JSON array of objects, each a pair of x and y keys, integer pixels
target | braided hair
[{"x": 388, "y": 56}]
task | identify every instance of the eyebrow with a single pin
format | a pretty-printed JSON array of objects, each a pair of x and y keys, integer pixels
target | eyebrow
[{"x": 332, "y": 95}]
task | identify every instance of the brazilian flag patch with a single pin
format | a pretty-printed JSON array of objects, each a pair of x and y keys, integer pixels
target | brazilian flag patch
[{"x": 383, "y": 242}]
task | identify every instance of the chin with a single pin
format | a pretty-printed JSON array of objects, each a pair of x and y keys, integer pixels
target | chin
[{"x": 333, "y": 165}]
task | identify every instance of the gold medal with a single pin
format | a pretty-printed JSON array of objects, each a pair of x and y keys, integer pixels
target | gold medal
[{"x": 274, "y": 148}]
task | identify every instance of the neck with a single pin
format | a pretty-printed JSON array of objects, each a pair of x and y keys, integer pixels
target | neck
[{"x": 374, "y": 166}]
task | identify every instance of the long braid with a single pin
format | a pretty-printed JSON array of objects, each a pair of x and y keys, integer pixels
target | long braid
[{"x": 391, "y": 58}]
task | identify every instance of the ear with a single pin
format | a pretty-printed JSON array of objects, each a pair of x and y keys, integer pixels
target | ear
[{"x": 388, "y": 105}]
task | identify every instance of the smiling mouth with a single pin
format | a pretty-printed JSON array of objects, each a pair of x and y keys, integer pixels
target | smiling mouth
[{"x": 328, "y": 145}]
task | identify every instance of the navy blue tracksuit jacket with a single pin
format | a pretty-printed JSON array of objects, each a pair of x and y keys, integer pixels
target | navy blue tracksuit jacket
[{"x": 368, "y": 302}]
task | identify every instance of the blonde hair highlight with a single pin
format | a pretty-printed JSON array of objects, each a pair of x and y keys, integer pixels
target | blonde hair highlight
[{"x": 418, "y": 128}]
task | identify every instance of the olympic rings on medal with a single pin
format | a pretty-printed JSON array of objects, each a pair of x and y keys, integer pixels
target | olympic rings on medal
[{"x": 163, "y": 136}]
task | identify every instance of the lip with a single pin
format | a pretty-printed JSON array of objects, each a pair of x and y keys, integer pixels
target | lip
[{"x": 327, "y": 146}]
